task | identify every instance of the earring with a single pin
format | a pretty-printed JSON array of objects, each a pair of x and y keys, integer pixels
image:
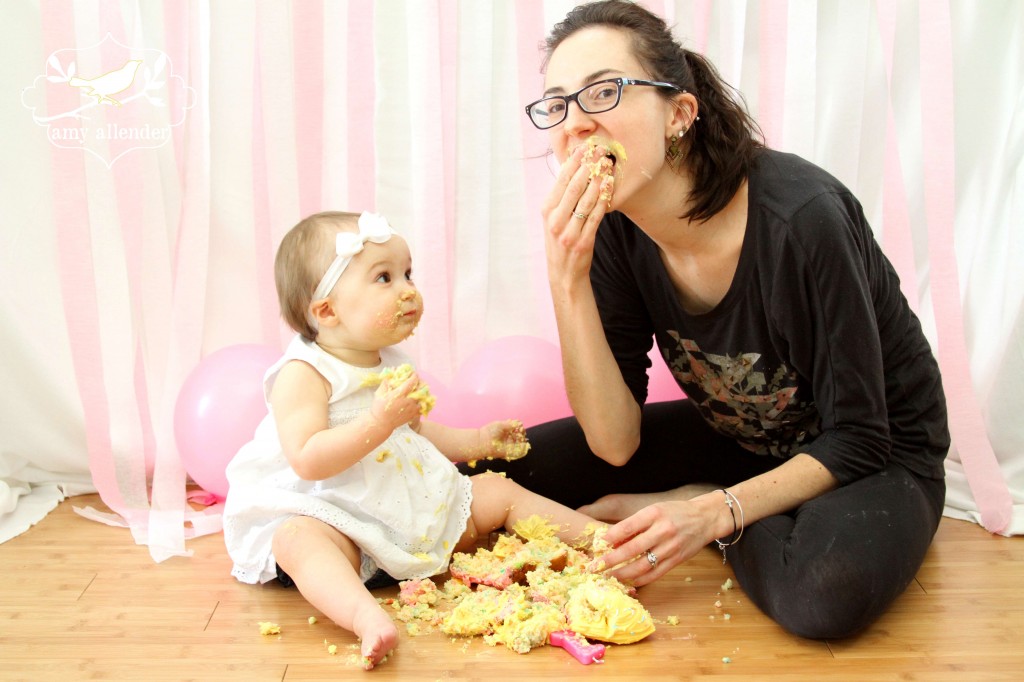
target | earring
[{"x": 673, "y": 150}]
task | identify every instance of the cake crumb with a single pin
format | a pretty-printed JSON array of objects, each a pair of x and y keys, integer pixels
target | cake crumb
[{"x": 268, "y": 628}]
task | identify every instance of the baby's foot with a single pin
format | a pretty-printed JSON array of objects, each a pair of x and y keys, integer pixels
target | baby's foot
[
  {"x": 616, "y": 507},
  {"x": 378, "y": 634}
]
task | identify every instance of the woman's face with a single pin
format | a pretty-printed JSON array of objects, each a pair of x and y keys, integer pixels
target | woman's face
[{"x": 641, "y": 122}]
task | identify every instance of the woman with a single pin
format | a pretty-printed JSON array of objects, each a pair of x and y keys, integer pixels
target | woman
[{"x": 811, "y": 445}]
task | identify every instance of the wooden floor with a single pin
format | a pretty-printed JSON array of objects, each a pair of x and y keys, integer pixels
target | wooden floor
[{"x": 79, "y": 600}]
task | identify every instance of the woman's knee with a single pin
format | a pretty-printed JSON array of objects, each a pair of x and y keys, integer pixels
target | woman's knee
[
  {"x": 823, "y": 585},
  {"x": 832, "y": 602},
  {"x": 827, "y": 594}
]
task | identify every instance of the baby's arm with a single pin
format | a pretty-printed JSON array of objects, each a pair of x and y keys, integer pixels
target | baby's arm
[
  {"x": 315, "y": 451},
  {"x": 501, "y": 439}
]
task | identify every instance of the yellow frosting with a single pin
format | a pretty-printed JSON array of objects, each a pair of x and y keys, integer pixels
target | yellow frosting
[
  {"x": 534, "y": 528},
  {"x": 599, "y": 611},
  {"x": 396, "y": 376},
  {"x": 526, "y": 588},
  {"x": 533, "y": 585}
]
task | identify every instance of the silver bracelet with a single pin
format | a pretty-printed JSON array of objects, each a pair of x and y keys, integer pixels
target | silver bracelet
[{"x": 737, "y": 531}]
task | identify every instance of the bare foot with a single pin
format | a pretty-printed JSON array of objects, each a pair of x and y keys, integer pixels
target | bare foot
[
  {"x": 614, "y": 508},
  {"x": 378, "y": 634}
]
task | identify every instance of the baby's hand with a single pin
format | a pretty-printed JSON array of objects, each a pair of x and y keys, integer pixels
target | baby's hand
[
  {"x": 393, "y": 405},
  {"x": 505, "y": 439}
]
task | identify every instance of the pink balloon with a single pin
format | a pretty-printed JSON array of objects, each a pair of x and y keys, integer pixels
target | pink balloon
[
  {"x": 513, "y": 377},
  {"x": 661, "y": 385},
  {"x": 218, "y": 409}
]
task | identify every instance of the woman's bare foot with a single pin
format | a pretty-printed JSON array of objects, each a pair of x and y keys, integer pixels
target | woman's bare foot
[
  {"x": 614, "y": 508},
  {"x": 377, "y": 632}
]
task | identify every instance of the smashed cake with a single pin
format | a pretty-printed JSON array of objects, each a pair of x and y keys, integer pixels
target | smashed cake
[{"x": 525, "y": 588}]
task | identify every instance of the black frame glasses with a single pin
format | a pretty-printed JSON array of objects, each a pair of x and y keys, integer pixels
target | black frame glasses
[{"x": 542, "y": 118}]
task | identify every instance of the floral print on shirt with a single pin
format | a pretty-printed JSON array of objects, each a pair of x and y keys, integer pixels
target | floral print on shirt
[{"x": 760, "y": 407}]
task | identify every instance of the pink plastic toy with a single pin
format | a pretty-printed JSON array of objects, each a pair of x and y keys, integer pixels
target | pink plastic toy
[{"x": 583, "y": 651}]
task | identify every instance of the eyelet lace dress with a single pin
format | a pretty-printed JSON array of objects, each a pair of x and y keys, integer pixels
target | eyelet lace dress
[{"x": 404, "y": 504}]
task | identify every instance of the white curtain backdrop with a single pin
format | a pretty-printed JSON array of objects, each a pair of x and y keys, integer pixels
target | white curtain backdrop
[{"x": 137, "y": 237}]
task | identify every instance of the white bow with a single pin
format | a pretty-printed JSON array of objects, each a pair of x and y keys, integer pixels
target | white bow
[{"x": 372, "y": 228}]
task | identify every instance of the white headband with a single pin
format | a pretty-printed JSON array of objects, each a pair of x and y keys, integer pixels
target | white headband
[{"x": 372, "y": 228}]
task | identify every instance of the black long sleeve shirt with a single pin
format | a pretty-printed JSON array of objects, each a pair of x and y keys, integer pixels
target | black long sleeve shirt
[{"x": 814, "y": 349}]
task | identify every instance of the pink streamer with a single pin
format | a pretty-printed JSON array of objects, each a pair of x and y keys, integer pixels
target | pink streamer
[
  {"x": 263, "y": 245},
  {"x": 158, "y": 519},
  {"x": 701, "y": 26},
  {"x": 74, "y": 257},
  {"x": 308, "y": 49},
  {"x": 436, "y": 342},
  {"x": 984, "y": 477},
  {"x": 362, "y": 170},
  {"x": 188, "y": 262},
  {"x": 129, "y": 188},
  {"x": 538, "y": 178},
  {"x": 530, "y": 30},
  {"x": 176, "y": 44},
  {"x": 449, "y": 22},
  {"x": 896, "y": 236},
  {"x": 772, "y": 40},
  {"x": 657, "y": 7}
]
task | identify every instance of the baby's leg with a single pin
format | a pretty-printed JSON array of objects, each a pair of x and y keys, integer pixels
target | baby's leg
[
  {"x": 325, "y": 567},
  {"x": 500, "y": 502}
]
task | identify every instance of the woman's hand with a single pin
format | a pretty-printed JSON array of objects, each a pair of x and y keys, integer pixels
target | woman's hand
[
  {"x": 670, "y": 532},
  {"x": 572, "y": 212}
]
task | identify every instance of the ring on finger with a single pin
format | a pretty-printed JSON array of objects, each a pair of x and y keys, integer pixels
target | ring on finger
[
  {"x": 580, "y": 216},
  {"x": 652, "y": 559}
]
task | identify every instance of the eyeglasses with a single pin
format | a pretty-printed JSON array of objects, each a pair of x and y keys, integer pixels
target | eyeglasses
[{"x": 595, "y": 98}]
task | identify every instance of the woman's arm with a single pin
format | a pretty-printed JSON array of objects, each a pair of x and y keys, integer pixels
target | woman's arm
[
  {"x": 600, "y": 399},
  {"x": 675, "y": 531},
  {"x": 315, "y": 451}
]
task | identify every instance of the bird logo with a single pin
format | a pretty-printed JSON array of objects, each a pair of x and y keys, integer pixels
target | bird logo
[
  {"x": 111, "y": 83},
  {"x": 127, "y": 99}
]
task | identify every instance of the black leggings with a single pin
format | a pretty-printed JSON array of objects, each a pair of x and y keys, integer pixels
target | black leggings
[{"x": 824, "y": 570}]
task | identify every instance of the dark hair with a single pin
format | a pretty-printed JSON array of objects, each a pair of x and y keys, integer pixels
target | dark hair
[{"x": 719, "y": 149}]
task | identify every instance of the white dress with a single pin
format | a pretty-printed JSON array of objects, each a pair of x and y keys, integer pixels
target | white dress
[{"x": 405, "y": 504}]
